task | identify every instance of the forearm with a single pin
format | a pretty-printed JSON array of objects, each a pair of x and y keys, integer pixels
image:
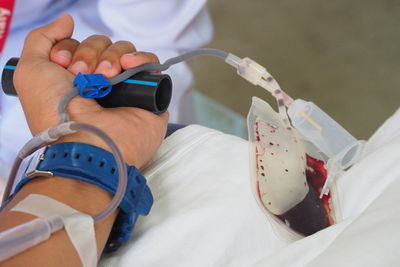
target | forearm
[
  {"x": 58, "y": 250},
  {"x": 41, "y": 81}
]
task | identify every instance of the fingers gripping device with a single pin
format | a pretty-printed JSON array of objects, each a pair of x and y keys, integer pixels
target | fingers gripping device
[{"x": 146, "y": 90}]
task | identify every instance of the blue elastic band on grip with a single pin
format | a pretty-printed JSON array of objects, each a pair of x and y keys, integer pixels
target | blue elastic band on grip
[{"x": 92, "y": 85}]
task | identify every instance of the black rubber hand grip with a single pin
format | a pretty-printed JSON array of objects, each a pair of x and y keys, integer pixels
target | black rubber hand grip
[{"x": 146, "y": 90}]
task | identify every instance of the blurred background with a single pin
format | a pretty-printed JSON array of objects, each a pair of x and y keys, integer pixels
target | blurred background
[{"x": 342, "y": 55}]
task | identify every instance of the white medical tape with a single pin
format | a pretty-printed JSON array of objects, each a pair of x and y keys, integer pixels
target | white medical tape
[{"x": 79, "y": 226}]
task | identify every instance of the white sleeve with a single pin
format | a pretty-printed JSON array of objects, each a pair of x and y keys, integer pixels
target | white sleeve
[
  {"x": 165, "y": 28},
  {"x": 158, "y": 24}
]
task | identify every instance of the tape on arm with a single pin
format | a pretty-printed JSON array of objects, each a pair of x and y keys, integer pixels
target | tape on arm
[{"x": 79, "y": 226}]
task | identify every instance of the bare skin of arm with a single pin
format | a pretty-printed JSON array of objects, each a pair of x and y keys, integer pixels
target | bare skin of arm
[
  {"x": 58, "y": 250},
  {"x": 44, "y": 74}
]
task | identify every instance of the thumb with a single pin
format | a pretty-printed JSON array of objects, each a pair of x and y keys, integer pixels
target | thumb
[{"x": 39, "y": 42}]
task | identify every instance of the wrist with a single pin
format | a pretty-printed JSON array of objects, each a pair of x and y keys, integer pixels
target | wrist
[
  {"x": 84, "y": 197},
  {"x": 88, "y": 164},
  {"x": 91, "y": 139}
]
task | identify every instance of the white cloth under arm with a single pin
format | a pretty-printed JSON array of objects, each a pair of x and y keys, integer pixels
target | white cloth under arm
[
  {"x": 163, "y": 27},
  {"x": 205, "y": 214}
]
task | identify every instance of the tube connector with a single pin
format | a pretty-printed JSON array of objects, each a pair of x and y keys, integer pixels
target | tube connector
[
  {"x": 248, "y": 69},
  {"x": 46, "y": 137},
  {"x": 53, "y": 133},
  {"x": 253, "y": 72},
  {"x": 345, "y": 159},
  {"x": 15, "y": 240}
]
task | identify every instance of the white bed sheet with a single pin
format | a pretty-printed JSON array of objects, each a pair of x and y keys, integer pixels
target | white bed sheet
[
  {"x": 369, "y": 195},
  {"x": 205, "y": 215}
]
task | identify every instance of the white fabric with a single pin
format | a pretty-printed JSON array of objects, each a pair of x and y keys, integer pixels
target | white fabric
[
  {"x": 368, "y": 193},
  {"x": 205, "y": 215},
  {"x": 164, "y": 27},
  {"x": 79, "y": 226}
]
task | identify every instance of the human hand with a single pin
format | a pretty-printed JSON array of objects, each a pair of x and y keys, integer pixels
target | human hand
[{"x": 45, "y": 73}]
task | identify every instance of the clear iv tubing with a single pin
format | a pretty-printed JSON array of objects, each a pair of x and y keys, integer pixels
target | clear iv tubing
[
  {"x": 146, "y": 67},
  {"x": 22, "y": 237},
  {"x": 250, "y": 68},
  {"x": 122, "y": 172}
]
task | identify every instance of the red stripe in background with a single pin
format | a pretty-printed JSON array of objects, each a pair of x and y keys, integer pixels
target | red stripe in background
[{"x": 6, "y": 11}]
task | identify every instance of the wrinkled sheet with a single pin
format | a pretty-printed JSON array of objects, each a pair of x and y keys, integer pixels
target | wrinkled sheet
[
  {"x": 369, "y": 195},
  {"x": 205, "y": 214}
]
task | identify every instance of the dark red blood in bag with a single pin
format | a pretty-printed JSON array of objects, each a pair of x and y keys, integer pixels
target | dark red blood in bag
[{"x": 312, "y": 214}]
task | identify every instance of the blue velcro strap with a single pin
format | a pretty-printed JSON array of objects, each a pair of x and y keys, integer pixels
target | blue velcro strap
[
  {"x": 96, "y": 166},
  {"x": 92, "y": 85}
]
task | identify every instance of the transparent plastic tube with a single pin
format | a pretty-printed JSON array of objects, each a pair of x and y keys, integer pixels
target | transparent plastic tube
[
  {"x": 38, "y": 141},
  {"x": 10, "y": 181},
  {"x": 122, "y": 172},
  {"x": 146, "y": 67},
  {"x": 27, "y": 235},
  {"x": 256, "y": 74},
  {"x": 319, "y": 128}
]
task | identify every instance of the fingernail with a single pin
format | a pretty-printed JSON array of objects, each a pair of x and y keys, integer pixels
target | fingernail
[
  {"x": 104, "y": 67},
  {"x": 64, "y": 56},
  {"x": 79, "y": 66},
  {"x": 132, "y": 54}
]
